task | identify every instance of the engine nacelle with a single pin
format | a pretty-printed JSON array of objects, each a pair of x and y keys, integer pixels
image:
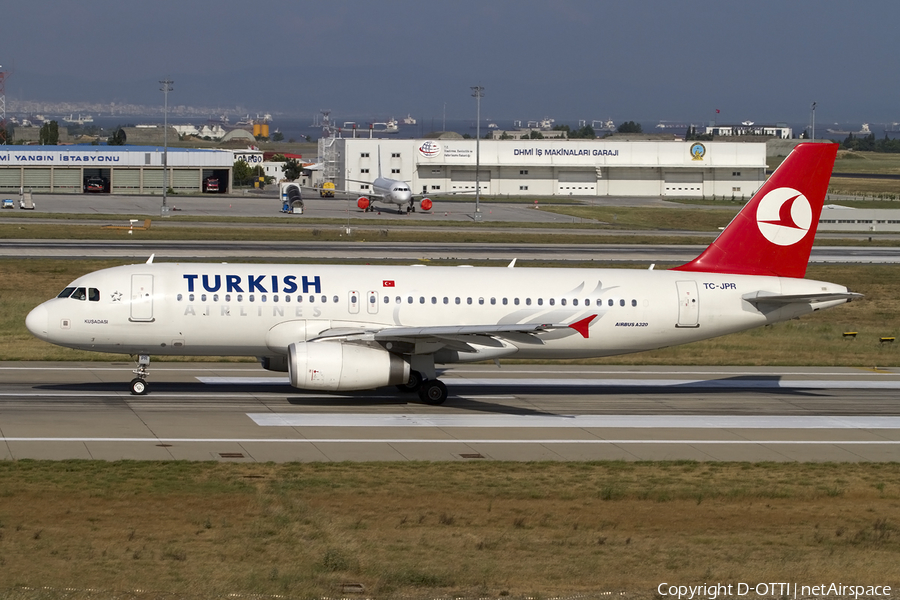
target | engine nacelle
[
  {"x": 426, "y": 204},
  {"x": 336, "y": 366},
  {"x": 363, "y": 203}
]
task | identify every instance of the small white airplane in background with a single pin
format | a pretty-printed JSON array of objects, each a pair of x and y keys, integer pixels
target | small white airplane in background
[
  {"x": 388, "y": 191},
  {"x": 345, "y": 327}
]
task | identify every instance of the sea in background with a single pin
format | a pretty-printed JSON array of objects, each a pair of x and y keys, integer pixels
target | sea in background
[{"x": 301, "y": 129}]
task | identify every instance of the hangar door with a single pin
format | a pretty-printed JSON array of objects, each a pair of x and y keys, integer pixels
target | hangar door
[
  {"x": 67, "y": 180},
  {"x": 574, "y": 183},
  {"x": 185, "y": 180},
  {"x": 37, "y": 179},
  {"x": 683, "y": 184},
  {"x": 464, "y": 181},
  {"x": 153, "y": 181},
  {"x": 10, "y": 179},
  {"x": 126, "y": 181}
]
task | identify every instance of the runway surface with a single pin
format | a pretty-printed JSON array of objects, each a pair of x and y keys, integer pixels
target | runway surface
[
  {"x": 238, "y": 412},
  {"x": 411, "y": 251}
]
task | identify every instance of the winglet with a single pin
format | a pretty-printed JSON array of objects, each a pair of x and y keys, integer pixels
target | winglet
[{"x": 582, "y": 325}]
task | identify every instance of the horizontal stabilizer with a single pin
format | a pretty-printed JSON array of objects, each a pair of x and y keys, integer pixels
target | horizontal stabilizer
[{"x": 771, "y": 298}]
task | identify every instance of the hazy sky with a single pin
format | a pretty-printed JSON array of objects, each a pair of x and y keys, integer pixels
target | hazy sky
[{"x": 763, "y": 60}]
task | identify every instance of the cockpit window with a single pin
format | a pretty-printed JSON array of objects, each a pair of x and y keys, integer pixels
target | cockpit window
[
  {"x": 93, "y": 294},
  {"x": 79, "y": 294},
  {"x": 66, "y": 292}
]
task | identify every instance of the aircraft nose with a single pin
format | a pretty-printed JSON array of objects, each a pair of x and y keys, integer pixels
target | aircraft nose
[{"x": 37, "y": 321}]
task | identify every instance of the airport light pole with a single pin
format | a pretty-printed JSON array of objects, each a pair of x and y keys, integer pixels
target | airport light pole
[
  {"x": 165, "y": 89},
  {"x": 813, "y": 120},
  {"x": 478, "y": 94}
]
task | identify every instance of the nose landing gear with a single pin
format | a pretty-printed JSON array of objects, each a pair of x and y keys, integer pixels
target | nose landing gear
[{"x": 139, "y": 385}]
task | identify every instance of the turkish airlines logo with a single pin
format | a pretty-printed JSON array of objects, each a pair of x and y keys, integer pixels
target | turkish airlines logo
[{"x": 784, "y": 216}]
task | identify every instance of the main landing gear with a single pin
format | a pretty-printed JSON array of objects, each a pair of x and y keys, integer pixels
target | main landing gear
[
  {"x": 411, "y": 207},
  {"x": 139, "y": 385},
  {"x": 430, "y": 391}
]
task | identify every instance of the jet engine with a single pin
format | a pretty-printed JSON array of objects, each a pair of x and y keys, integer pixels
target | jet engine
[
  {"x": 426, "y": 204},
  {"x": 337, "y": 366}
]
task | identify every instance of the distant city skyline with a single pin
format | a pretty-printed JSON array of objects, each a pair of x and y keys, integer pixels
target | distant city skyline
[{"x": 647, "y": 60}]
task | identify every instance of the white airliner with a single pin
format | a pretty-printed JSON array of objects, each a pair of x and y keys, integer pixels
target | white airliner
[
  {"x": 388, "y": 191},
  {"x": 342, "y": 328}
]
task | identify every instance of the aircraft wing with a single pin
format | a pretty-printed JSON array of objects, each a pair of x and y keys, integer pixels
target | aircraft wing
[
  {"x": 772, "y": 298},
  {"x": 347, "y": 193},
  {"x": 454, "y": 336}
]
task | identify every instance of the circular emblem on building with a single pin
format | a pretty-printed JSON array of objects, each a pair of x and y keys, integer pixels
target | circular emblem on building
[
  {"x": 784, "y": 216},
  {"x": 698, "y": 151},
  {"x": 429, "y": 149}
]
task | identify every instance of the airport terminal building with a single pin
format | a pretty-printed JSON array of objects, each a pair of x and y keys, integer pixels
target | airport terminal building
[
  {"x": 122, "y": 169},
  {"x": 550, "y": 167}
]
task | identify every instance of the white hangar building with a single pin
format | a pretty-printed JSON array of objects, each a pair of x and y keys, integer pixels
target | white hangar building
[
  {"x": 550, "y": 167},
  {"x": 123, "y": 169}
]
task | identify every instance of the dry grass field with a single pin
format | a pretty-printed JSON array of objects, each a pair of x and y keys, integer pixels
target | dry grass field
[
  {"x": 886, "y": 189},
  {"x": 426, "y": 530}
]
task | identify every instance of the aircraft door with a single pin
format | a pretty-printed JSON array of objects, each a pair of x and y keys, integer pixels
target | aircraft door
[
  {"x": 353, "y": 300},
  {"x": 688, "y": 304},
  {"x": 372, "y": 302},
  {"x": 142, "y": 298}
]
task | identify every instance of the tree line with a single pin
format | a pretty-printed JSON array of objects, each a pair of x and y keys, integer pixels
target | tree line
[{"x": 868, "y": 143}]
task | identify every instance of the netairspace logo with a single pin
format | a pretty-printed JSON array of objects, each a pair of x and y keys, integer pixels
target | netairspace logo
[{"x": 770, "y": 590}]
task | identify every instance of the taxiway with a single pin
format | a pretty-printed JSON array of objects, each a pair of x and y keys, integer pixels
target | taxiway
[{"x": 238, "y": 412}]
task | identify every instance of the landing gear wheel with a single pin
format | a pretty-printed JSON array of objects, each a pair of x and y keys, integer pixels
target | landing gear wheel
[
  {"x": 414, "y": 383},
  {"x": 138, "y": 387},
  {"x": 139, "y": 383},
  {"x": 433, "y": 392}
]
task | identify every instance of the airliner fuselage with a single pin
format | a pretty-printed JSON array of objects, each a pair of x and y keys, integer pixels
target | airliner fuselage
[{"x": 258, "y": 310}]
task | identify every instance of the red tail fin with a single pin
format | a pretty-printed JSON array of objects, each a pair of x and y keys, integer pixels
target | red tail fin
[{"x": 773, "y": 234}]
